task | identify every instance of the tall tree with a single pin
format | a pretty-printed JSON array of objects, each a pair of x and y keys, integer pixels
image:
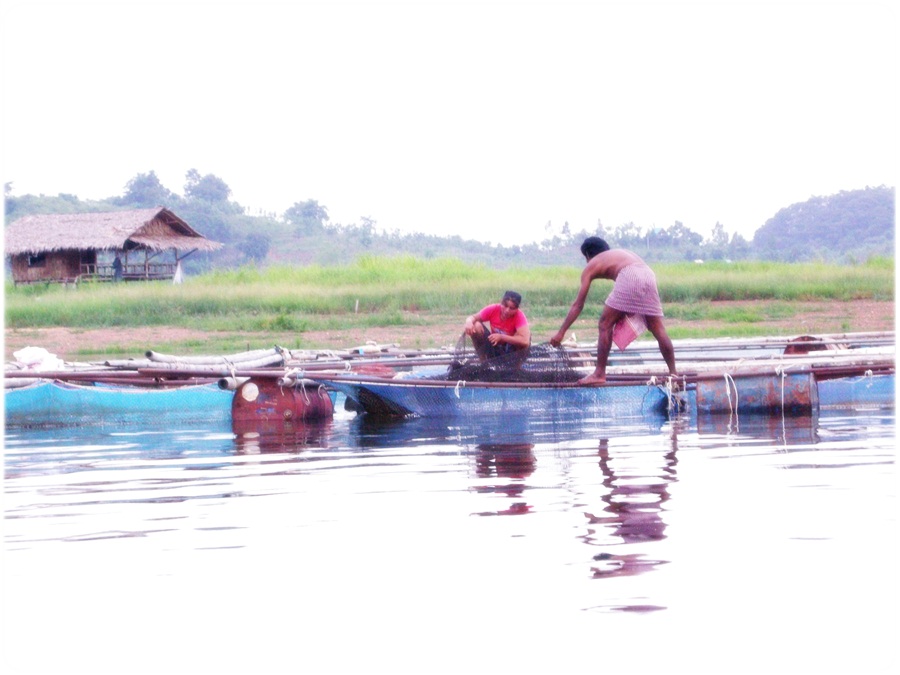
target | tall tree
[
  {"x": 209, "y": 188},
  {"x": 307, "y": 217},
  {"x": 255, "y": 246},
  {"x": 145, "y": 190}
]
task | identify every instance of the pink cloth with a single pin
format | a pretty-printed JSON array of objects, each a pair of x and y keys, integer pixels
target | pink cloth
[{"x": 627, "y": 329}]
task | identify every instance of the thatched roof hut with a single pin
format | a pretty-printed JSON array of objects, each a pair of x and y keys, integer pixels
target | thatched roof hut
[{"x": 65, "y": 247}]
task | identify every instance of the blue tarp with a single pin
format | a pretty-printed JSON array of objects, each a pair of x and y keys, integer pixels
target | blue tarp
[{"x": 62, "y": 404}]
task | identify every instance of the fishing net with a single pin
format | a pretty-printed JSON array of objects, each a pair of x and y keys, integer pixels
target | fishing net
[{"x": 542, "y": 363}]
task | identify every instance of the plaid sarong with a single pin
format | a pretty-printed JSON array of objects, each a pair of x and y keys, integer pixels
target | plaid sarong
[{"x": 635, "y": 292}]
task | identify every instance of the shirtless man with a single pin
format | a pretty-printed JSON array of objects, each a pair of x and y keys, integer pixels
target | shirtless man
[{"x": 634, "y": 292}]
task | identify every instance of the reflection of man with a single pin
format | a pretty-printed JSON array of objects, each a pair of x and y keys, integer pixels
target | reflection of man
[
  {"x": 634, "y": 504},
  {"x": 510, "y": 460}
]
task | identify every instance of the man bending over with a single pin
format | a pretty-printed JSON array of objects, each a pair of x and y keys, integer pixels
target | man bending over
[{"x": 634, "y": 301}]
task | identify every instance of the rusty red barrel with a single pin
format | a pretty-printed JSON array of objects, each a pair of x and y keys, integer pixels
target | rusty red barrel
[
  {"x": 794, "y": 393},
  {"x": 265, "y": 400}
]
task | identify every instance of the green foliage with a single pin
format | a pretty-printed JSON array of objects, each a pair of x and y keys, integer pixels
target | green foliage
[
  {"x": 256, "y": 246},
  {"x": 27, "y": 205},
  {"x": 307, "y": 217},
  {"x": 145, "y": 191},
  {"x": 850, "y": 226},
  {"x": 208, "y": 188}
]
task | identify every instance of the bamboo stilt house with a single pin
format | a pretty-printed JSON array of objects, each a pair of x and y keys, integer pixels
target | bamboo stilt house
[{"x": 109, "y": 246}]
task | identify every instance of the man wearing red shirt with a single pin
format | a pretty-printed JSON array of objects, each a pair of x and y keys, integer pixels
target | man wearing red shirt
[{"x": 508, "y": 330}]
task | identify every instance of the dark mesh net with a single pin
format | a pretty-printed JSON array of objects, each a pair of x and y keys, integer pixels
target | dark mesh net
[{"x": 538, "y": 363}]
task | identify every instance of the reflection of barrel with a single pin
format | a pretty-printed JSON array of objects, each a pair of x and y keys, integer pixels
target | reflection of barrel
[
  {"x": 794, "y": 393},
  {"x": 264, "y": 400},
  {"x": 253, "y": 436},
  {"x": 793, "y": 429}
]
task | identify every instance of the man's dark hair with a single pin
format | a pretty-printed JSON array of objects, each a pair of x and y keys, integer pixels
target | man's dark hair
[
  {"x": 592, "y": 246},
  {"x": 512, "y": 295}
]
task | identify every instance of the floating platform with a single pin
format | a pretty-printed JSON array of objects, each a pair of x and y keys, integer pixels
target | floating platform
[{"x": 273, "y": 387}]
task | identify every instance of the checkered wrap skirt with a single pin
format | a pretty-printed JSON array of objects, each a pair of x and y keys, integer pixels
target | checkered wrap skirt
[{"x": 635, "y": 292}]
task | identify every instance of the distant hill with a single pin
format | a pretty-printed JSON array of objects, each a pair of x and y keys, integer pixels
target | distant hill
[{"x": 846, "y": 227}]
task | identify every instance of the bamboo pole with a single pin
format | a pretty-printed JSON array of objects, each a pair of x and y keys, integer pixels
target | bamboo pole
[
  {"x": 254, "y": 355},
  {"x": 873, "y": 351}
]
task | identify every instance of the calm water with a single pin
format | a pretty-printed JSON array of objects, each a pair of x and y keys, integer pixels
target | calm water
[{"x": 503, "y": 545}]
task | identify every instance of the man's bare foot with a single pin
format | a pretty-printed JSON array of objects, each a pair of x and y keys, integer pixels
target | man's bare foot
[{"x": 591, "y": 380}]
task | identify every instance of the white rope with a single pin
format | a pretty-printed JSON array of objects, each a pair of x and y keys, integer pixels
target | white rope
[
  {"x": 731, "y": 408},
  {"x": 670, "y": 394},
  {"x": 780, "y": 372},
  {"x": 306, "y": 397},
  {"x": 459, "y": 383}
]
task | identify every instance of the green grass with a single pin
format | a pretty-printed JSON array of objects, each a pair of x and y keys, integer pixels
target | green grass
[{"x": 395, "y": 291}]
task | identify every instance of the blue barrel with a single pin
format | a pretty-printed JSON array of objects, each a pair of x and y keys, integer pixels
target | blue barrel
[{"x": 793, "y": 393}]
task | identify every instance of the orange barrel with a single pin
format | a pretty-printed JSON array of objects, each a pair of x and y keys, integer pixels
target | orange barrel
[{"x": 265, "y": 400}]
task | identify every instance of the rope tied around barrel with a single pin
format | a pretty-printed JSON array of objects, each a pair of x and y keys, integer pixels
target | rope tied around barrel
[
  {"x": 729, "y": 380},
  {"x": 306, "y": 397},
  {"x": 674, "y": 391},
  {"x": 781, "y": 372}
]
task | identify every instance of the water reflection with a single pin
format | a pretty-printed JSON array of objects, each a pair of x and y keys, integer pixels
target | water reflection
[
  {"x": 510, "y": 427},
  {"x": 510, "y": 460},
  {"x": 636, "y": 489},
  {"x": 384, "y": 522},
  {"x": 290, "y": 436},
  {"x": 785, "y": 429},
  {"x": 515, "y": 461}
]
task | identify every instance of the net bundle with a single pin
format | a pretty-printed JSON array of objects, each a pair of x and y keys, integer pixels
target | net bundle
[{"x": 541, "y": 363}]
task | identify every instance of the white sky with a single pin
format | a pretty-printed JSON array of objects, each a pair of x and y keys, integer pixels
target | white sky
[{"x": 483, "y": 119}]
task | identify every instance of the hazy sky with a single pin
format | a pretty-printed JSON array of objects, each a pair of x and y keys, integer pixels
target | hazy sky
[{"x": 483, "y": 119}]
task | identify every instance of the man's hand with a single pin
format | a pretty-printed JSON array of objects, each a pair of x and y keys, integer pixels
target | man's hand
[{"x": 557, "y": 339}]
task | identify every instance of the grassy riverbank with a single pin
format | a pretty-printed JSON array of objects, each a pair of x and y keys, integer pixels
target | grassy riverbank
[{"x": 300, "y": 307}]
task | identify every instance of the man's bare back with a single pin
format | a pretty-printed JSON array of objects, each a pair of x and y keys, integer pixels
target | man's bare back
[{"x": 608, "y": 264}]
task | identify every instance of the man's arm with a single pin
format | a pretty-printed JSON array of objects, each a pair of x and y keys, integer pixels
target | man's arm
[{"x": 575, "y": 309}]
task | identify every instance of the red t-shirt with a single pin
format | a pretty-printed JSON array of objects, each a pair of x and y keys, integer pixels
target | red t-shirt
[{"x": 491, "y": 314}]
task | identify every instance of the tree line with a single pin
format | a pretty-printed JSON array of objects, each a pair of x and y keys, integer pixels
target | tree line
[{"x": 847, "y": 227}]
